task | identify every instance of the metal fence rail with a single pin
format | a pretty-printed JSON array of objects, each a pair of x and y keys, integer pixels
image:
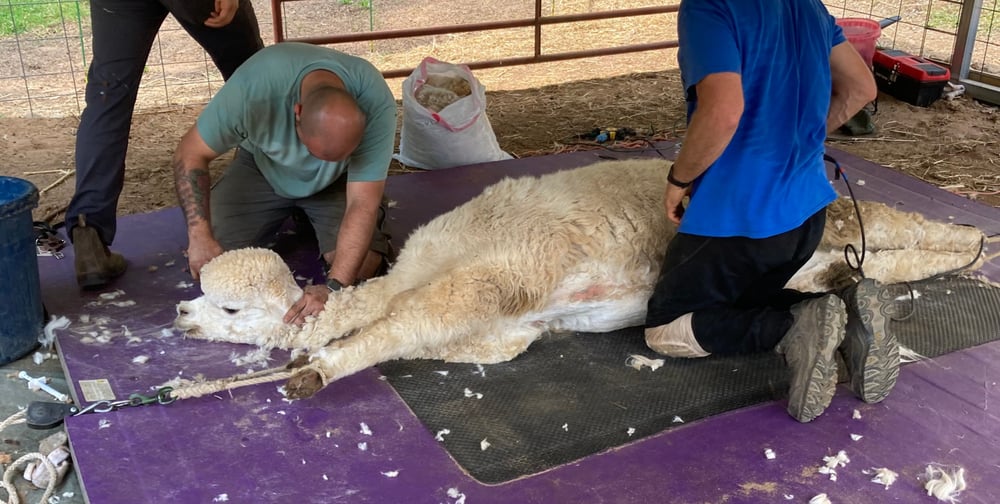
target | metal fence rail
[{"x": 537, "y": 22}]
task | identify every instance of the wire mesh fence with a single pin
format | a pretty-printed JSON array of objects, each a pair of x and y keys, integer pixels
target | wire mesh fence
[
  {"x": 986, "y": 51},
  {"x": 928, "y": 28},
  {"x": 45, "y": 49},
  {"x": 45, "y": 45}
]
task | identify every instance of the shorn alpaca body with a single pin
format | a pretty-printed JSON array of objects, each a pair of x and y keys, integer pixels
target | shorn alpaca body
[{"x": 576, "y": 250}]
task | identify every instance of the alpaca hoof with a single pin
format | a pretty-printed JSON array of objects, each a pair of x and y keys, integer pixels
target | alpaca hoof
[
  {"x": 303, "y": 384},
  {"x": 299, "y": 361}
]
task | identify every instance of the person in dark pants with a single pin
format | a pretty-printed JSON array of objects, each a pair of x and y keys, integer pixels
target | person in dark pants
[
  {"x": 123, "y": 34},
  {"x": 765, "y": 80}
]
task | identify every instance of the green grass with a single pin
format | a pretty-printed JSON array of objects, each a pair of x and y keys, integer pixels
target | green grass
[
  {"x": 19, "y": 16},
  {"x": 945, "y": 17},
  {"x": 364, "y": 4}
]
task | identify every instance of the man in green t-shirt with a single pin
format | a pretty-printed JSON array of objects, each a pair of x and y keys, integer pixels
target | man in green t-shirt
[{"x": 314, "y": 129}]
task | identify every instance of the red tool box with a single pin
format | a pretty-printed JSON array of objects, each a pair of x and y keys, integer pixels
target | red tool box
[{"x": 909, "y": 78}]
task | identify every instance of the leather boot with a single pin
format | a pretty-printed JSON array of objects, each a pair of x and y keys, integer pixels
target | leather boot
[{"x": 95, "y": 264}]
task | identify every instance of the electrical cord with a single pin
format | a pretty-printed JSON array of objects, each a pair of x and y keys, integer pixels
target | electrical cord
[{"x": 849, "y": 249}]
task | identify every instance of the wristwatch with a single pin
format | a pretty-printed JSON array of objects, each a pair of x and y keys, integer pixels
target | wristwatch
[
  {"x": 333, "y": 284},
  {"x": 678, "y": 183}
]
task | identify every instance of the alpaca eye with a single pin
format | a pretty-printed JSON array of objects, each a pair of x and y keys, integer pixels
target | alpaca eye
[{"x": 231, "y": 311}]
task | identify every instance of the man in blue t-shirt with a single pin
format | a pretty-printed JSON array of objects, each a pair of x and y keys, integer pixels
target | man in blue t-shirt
[
  {"x": 314, "y": 129},
  {"x": 765, "y": 81}
]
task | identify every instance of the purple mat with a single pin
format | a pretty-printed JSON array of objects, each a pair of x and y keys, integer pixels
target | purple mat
[{"x": 254, "y": 447}]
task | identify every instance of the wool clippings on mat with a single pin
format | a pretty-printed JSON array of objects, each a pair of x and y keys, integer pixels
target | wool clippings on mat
[
  {"x": 945, "y": 483},
  {"x": 885, "y": 476},
  {"x": 637, "y": 361}
]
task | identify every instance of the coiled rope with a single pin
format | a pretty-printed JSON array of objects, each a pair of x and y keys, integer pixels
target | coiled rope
[{"x": 8, "y": 474}]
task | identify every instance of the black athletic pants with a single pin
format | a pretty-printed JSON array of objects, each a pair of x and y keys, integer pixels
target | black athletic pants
[
  {"x": 123, "y": 34},
  {"x": 734, "y": 286}
]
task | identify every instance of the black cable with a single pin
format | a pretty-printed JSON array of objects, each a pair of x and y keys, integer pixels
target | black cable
[
  {"x": 849, "y": 249},
  {"x": 913, "y": 309}
]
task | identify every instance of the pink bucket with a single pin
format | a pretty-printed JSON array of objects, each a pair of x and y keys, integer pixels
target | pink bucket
[{"x": 862, "y": 34}]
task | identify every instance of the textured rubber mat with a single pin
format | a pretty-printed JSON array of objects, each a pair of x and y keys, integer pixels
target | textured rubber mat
[
  {"x": 570, "y": 396},
  {"x": 946, "y": 314}
]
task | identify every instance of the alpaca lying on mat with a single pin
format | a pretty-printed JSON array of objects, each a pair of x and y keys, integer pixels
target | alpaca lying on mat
[{"x": 577, "y": 250}]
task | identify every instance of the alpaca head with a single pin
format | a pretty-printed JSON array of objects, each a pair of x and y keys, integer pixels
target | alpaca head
[{"x": 246, "y": 294}]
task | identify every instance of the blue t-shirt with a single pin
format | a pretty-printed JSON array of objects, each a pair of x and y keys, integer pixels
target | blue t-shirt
[
  {"x": 255, "y": 110},
  {"x": 771, "y": 176}
]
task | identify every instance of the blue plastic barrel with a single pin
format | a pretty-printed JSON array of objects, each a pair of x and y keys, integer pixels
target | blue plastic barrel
[{"x": 22, "y": 317}]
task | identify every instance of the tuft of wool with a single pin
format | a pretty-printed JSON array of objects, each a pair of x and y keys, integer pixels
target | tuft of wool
[
  {"x": 48, "y": 336},
  {"x": 945, "y": 483},
  {"x": 637, "y": 361}
]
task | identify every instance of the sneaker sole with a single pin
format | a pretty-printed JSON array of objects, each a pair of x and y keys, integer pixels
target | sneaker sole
[
  {"x": 881, "y": 357},
  {"x": 818, "y": 392}
]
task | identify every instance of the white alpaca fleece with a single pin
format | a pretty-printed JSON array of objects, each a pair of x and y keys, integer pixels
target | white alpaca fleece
[
  {"x": 576, "y": 250},
  {"x": 246, "y": 296}
]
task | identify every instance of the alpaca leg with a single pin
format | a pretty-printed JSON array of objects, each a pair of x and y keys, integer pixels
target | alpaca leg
[
  {"x": 500, "y": 343},
  {"x": 345, "y": 312},
  {"x": 889, "y": 228},
  {"x": 894, "y": 266},
  {"x": 825, "y": 271},
  {"x": 463, "y": 303}
]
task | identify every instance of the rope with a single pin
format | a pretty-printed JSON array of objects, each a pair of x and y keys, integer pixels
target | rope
[
  {"x": 199, "y": 389},
  {"x": 8, "y": 475},
  {"x": 16, "y": 418},
  {"x": 181, "y": 392}
]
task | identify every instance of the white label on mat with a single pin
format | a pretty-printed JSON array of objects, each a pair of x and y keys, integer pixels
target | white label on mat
[{"x": 96, "y": 390}]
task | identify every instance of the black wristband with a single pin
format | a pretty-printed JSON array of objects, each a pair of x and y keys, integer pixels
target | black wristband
[
  {"x": 678, "y": 183},
  {"x": 333, "y": 284}
]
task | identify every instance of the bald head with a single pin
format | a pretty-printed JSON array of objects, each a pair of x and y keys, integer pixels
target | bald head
[{"x": 330, "y": 123}]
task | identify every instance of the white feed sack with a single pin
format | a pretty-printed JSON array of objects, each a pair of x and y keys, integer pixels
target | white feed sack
[{"x": 444, "y": 119}]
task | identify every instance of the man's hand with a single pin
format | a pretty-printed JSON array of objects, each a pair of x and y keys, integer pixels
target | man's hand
[
  {"x": 200, "y": 253},
  {"x": 223, "y": 13},
  {"x": 311, "y": 303},
  {"x": 673, "y": 201}
]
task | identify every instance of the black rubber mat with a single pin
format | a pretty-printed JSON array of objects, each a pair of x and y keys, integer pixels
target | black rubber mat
[
  {"x": 570, "y": 396},
  {"x": 946, "y": 315}
]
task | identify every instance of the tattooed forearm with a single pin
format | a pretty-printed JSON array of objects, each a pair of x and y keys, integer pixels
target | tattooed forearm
[{"x": 193, "y": 186}]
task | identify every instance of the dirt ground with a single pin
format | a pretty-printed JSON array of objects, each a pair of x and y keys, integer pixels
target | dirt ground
[
  {"x": 953, "y": 145},
  {"x": 534, "y": 109}
]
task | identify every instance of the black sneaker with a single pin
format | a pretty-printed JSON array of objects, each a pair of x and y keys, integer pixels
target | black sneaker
[
  {"x": 810, "y": 349},
  {"x": 870, "y": 350}
]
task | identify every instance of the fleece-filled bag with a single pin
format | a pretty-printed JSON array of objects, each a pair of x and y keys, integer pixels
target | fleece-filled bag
[{"x": 444, "y": 119}]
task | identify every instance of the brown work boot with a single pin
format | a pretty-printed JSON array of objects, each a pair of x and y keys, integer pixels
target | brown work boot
[
  {"x": 810, "y": 350},
  {"x": 95, "y": 264}
]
